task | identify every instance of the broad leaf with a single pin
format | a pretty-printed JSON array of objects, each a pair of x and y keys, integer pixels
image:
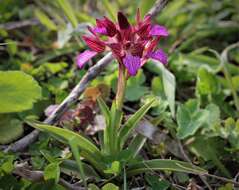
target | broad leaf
[
  {"x": 10, "y": 128},
  {"x": 19, "y": 91},
  {"x": 110, "y": 186},
  {"x": 52, "y": 172},
  {"x": 190, "y": 119},
  {"x": 207, "y": 82}
]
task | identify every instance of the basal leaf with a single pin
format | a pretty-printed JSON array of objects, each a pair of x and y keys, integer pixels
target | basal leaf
[
  {"x": 163, "y": 164},
  {"x": 19, "y": 91},
  {"x": 10, "y": 128},
  {"x": 190, "y": 122},
  {"x": 88, "y": 149}
]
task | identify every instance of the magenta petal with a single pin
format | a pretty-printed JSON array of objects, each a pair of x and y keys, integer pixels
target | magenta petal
[
  {"x": 83, "y": 57},
  {"x": 100, "y": 30},
  {"x": 158, "y": 55},
  {"x": 132, "y": 64},
  {"x": 158, "y": 30}
]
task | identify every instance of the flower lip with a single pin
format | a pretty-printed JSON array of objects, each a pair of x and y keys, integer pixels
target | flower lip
[
  {"x": 131, "y": 45},
  {"x": 132, "y": 64},
  {"x": 123, "y": 21}
]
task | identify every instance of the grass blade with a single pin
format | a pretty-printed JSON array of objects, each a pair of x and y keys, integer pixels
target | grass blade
[
  {"x": 69, "y": 11},
  {"x": 45, "y": 20}
]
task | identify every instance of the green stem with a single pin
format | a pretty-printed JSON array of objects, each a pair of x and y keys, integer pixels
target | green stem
[{"x": 119, "y": 99}]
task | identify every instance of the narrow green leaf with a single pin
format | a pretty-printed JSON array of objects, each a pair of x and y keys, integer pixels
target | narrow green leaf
[
  {"x": 104, "y": 110},
  {"x": 136, "y": 145},
  {"x": 69, "y": 11},
  {"x": 164, "y": 164},
  {"x": 81, "y": 141},
  {"x": 75, "y": 151},
  {"x": 69, "y": 167},
  {"x": 116, "y": 118},
  {"x": 132, "y": 122},
  {"x": 89, "y": 150},
  {"x": 45, "y": 20},
  {"x": 110, "y": 9}
]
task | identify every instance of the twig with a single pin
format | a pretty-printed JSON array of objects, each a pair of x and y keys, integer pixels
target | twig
[
  {"x": 19, "y": 24},
  {"x": 76, "y": 92},
  {"x": 37, "y": 176},
  {"x": 64, "y": 106},
  {"x": 186, "y": 157},
  {"x": 158, "y": 6},
  {"x": 206, "y": 174},
  {"x": 223, "y": 179}
]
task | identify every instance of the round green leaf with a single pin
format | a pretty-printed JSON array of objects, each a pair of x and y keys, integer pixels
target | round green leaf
[
  {"x": 10, "y": 129},
  {"x": 18, "y": 91}
]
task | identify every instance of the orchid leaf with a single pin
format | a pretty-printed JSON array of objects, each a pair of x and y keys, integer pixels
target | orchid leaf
[
  {"x": 164, "y": 164},
  {"x": 104, "y": 109},
  {"x": 89, "y": 150}
]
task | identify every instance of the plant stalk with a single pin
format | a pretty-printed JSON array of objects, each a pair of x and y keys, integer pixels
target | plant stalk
[{"x": 119, "y": 99}]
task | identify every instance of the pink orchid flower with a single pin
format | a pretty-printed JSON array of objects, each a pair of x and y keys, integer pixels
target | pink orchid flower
[{"x": 131, "y": 45}]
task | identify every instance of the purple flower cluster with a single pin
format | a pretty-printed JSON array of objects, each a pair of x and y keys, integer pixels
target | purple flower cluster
[{"x": 130, "y": 44}]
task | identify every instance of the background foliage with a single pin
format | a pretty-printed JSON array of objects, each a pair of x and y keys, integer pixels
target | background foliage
[{"x": 39, "y": 41}]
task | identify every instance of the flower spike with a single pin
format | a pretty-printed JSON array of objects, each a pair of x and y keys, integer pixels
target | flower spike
[{"x": 131, "y": 45}]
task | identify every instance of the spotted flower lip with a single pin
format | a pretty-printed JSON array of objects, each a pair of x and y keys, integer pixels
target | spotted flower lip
[{"x": 131, "y": 45}]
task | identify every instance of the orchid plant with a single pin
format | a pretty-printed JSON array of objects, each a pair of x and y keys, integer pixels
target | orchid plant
[{"x": 117, "y": 154}]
